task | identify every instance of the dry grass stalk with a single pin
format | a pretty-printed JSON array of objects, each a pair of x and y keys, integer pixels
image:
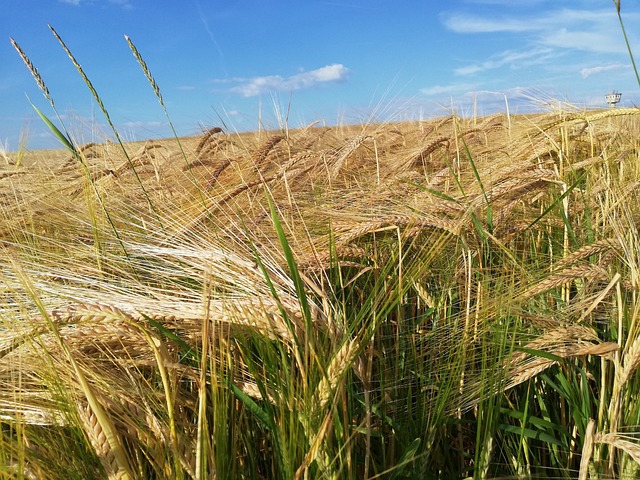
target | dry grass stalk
[
  {"x": 341, "y": 156},
  {"x": 564, "y": 342},
  {"x": 346, "y": 234},
  {"x": 262, "y": 153},
  {"x": 565, "y": 276},
  {"x": 206, "y": 138},
  {"x": 431, "y": 147},
  {"x": 587, "y": 451},
  {"x": 631, "y": 361},
  {"x": 619, "y": 441}
]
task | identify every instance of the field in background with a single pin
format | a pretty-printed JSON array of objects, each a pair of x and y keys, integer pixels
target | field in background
[{"x": 442, "y": 299}]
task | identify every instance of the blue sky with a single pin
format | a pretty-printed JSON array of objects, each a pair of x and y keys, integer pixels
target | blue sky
[{"x": 245, "y": 62}]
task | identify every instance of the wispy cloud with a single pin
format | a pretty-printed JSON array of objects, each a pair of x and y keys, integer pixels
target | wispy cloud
[
  {"x": 122, "y": 3},
  {"x": 506, "y": 3},
  {"x": 589, "y": 71},
  {"x": 205, "y": 24},
  {"x": 140, "y": 124},
  {"x": 126, "y": 4},
  {"x": 251, "y": 87},
  {"x": 468, "y": 23},
  {"x": 588, "y": 30},
  {"x": 438, "y": 90},
  {"x": 509, "y": 58}
]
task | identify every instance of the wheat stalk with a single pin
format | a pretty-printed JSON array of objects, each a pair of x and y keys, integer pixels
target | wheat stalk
[
  {"x": 146, "y": 71},
  {"x": 346, "y": 234},
  {"x": 34, "y": 72},
  {"x": 342, "y": 361},
  {"x": 428, "y": 149},
  {"x": 631, "y": 361},
  {"x": 100, "y": 443},
  {"x": 564, "y": 342},
  {"x": 587, "y": 450},
  {"x": 565, "y": 276},
  {"x": 618, "y": 440},
  {"x": 263, "y": 151},
  {"x": 344, "y": 153}
]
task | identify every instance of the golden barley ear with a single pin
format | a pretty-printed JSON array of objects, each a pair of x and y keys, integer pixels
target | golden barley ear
[
  {"x": 263, "y": 152},
  {"x": 100, "y": 444}
]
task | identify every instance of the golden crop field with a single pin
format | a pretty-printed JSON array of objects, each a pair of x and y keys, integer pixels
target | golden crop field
[{"x": 433, "y": 299}]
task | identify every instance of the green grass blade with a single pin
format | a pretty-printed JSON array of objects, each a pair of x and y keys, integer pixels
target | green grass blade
[
  {"x": 479, "y": 180},
  {"x": 539, "y": 353},
  {"x": 557, "y": 201},
  {"x": 253, "y": 407},
  {"x": 626, "y": 40},
  {"x": 186, "y": 351},
  {"x": 62, "y": 138},
  {"x": 291, "y": 261},
  {"x": 531, "y": 434},
  {"x": 406, "y": 458}
]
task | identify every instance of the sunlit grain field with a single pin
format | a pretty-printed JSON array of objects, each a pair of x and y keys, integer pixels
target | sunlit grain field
[{"x": 438, "y": 299}]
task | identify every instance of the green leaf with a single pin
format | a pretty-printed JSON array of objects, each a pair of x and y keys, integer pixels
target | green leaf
[
  {"x": 535, "y": 421},
  {"x": 62, "y": 138},
  {"x": 291, "y": 262},
  {"x": 557, "y": 201},
  {"x": 432, "y": 192},
  {"x": 479, "y": 180},
  {"x": 365, "y": 431},
  {"x": 406, "y": 458},
  {"x": 186, "y": 349},
  {"x": 253, "y": 407},
  {"x": 531, "y": 434},
  {"x": 539, "y": 353}
]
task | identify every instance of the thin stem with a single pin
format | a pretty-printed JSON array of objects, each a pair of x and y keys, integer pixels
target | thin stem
[{"x": 626, "y": 40}]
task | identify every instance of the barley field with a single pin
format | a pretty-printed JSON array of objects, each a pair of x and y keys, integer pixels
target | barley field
[{"x": 450, "y": 298}]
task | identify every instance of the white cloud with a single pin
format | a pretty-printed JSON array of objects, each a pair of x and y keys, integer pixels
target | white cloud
[
  {"x": 588, "y": 71},
  {"x": 258, "y": 85}
]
